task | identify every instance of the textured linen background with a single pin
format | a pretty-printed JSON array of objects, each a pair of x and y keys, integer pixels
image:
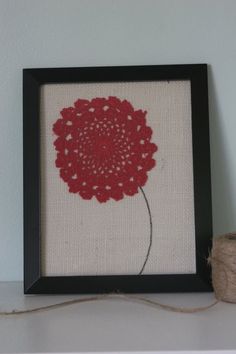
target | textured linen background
[{"x": 81, "y": 237}]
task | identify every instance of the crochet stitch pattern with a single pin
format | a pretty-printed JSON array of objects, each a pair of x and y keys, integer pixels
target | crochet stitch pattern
[{"x": 104, "y": 148}]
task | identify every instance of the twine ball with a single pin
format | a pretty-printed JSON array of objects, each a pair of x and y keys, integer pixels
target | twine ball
[{"x": 223, "y": 261}]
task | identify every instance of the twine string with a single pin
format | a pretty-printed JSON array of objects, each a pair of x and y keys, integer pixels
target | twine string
[{"x": 125, "y": 297}]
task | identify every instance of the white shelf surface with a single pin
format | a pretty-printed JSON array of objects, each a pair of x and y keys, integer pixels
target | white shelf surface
[{"x": 110, "y": 326}]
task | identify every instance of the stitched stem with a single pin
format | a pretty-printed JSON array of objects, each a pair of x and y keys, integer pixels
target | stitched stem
[{"x": 150, "y": 238}]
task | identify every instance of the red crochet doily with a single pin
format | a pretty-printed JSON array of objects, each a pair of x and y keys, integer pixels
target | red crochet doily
[{"x": 103, "y": 148}]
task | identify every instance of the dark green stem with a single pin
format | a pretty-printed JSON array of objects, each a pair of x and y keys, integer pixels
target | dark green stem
[{"x": 150, "y": 237}]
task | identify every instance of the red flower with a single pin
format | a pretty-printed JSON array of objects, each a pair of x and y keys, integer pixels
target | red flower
[{"x": 103, "y": 148}]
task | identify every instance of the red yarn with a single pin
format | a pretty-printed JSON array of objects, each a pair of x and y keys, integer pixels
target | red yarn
[{"x": 103, "y": 148}]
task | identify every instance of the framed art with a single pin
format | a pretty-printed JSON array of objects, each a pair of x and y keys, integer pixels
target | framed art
[{"x": 117, "y": 190}]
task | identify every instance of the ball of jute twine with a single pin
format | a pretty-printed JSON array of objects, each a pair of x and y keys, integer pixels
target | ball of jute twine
[{"x": 223, "y": 262}]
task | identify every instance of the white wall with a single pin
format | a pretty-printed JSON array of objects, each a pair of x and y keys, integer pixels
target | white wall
[{"x": 50, "y": 33}]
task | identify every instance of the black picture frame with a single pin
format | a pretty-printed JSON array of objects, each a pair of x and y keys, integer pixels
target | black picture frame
[{"x": 34, "y": 282}]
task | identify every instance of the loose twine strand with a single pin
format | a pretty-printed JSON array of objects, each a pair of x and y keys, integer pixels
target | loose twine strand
[
  {"x": 223, "y": 262},
  {"x": 132, "y": 298}
]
